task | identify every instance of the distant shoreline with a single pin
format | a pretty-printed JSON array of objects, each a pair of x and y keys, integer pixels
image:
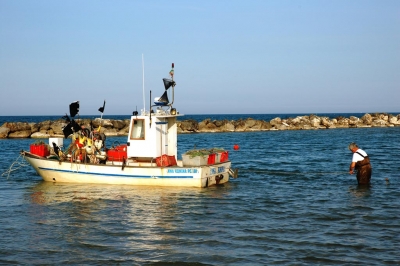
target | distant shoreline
[{"x": 120, "y": 127}]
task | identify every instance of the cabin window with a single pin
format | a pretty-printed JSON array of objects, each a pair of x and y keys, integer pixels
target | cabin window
[{"x": 137, "y": 130}]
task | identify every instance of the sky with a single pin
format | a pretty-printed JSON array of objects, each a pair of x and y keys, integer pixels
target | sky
[{"x": 230, "y": 56}]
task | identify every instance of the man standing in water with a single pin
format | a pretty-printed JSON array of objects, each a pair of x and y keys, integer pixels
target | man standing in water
[{"x": 361, "y": 163}]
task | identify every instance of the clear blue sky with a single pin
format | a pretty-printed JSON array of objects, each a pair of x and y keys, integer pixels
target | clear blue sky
[{"x": 231, "y": 57}]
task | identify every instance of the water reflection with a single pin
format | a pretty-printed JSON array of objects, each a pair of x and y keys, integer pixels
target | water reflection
[
  {"x": 52, "y": 193},
  {"x": 133, "y": 214},
  {"x": 360, "y": 191}
]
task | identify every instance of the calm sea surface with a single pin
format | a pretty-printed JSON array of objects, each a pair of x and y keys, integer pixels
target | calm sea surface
[{"x": 294, "y": 203}]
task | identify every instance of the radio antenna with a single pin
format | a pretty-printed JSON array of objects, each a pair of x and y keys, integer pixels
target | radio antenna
[{"x": 144, "y": 105}]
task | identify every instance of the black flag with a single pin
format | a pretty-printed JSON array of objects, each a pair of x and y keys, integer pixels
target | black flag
[
  {"x": 101, "y": 109},
  {"x": 75, "y": 126},
  {"x": 67, "y": 130},
  {"x": 168, "y": 83},
  {"x": 74, "y": 108},
  {"x": 164, "y": 98}
]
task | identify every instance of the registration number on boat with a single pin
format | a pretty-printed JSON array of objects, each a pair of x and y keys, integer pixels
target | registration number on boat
[
  {"x": 182, "y": 171},
  {"x": 216, "y": 170}
]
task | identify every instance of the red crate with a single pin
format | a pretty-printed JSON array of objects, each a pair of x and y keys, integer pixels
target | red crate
[
  {"x": 165, "y": 160},
  {"x": 39, "y": 149},
  {"x": 33, "y": 148},
  {"x": 211, "y": 158},
  {"x": 118, "y": 153},
  {"x": 224, "y": 156}
]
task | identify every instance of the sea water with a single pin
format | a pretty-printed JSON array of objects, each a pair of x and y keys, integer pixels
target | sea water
[{"x": 294, "y": 203}]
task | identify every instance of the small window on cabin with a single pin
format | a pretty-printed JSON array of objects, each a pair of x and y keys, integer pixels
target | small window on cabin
[{"x": 137, "y": 130}]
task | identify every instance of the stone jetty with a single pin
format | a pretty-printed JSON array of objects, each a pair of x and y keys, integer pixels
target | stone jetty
[{"x": 51, "y": 129}]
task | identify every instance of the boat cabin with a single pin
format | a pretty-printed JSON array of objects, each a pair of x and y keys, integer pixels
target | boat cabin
[{"x": 152, "y": 135}]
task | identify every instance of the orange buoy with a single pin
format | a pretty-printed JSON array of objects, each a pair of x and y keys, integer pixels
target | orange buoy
[{"x": 235, "y": 147}]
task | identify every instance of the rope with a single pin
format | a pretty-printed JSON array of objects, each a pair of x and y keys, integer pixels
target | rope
[{"x": 19, "y": 162}]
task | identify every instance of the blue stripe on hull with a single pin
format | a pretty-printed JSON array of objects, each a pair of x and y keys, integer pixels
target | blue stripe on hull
[{"x": 114, "y": 175}]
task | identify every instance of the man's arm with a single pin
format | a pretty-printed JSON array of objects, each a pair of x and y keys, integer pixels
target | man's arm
[{"x": 352, "y": 165}]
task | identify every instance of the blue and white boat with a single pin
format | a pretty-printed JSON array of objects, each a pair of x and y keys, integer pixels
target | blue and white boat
[{"x": 148, "y": 158}]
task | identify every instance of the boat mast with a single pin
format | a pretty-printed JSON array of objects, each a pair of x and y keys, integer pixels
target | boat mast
[
  {"x": 171, "y": 73},
  {"x": 144, "y": 105}
]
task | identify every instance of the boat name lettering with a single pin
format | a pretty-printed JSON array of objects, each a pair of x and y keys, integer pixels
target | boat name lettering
[{"x": 183, "y": 171}]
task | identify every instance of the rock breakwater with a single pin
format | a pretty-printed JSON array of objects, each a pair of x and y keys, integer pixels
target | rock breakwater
[{"x": 50, "y": 129}]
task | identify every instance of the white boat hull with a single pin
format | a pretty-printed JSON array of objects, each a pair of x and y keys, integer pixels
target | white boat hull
[
  {"x": 132, "y": 173},
  {"x": 149, "y": 154}
]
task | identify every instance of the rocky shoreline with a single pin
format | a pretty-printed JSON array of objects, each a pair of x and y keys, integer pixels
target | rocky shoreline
[{"x": 51, "y": 129}]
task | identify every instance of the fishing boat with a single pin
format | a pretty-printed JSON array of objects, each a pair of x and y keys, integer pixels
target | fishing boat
[{"x": 149, "y": 157}]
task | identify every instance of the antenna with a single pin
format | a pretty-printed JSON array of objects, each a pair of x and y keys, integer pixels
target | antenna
[{"x": 144, "y": 105}]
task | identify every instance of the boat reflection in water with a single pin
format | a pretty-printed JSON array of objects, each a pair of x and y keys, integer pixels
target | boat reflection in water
[
  {"x": 121, "y": 210},
  {"x": 53, "y": 193}
]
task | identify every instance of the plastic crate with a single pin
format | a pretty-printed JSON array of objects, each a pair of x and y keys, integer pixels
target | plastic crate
[
  {"x": 166, "y": 160},
  {"x": 118, "y": 153},
  {"x": 211, "y": 158},
  {"x": 224, "y": 156},
  {"x": 39, "y": 149}
]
